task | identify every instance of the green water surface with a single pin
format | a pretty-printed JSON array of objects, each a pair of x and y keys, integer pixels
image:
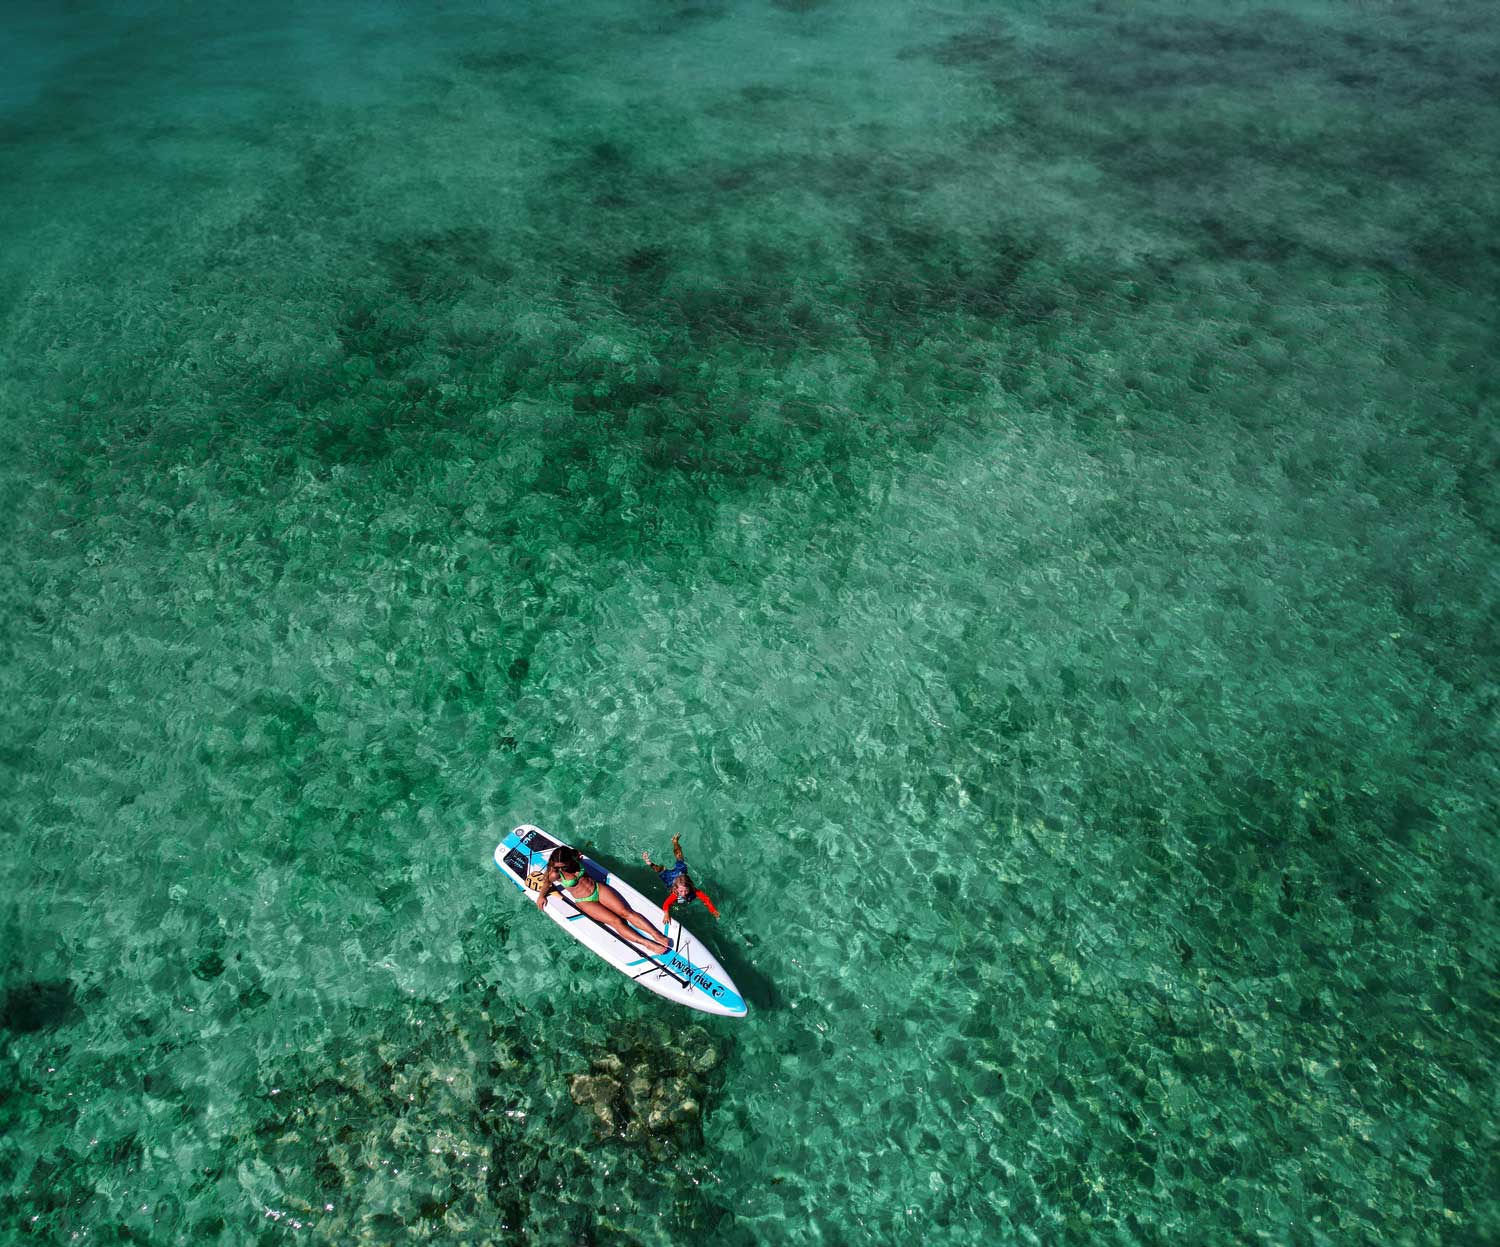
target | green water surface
[{"x": 1012, "y": 485}]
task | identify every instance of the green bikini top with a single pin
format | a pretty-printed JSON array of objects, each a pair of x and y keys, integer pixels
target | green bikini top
[{"x": 581, "y": 877}]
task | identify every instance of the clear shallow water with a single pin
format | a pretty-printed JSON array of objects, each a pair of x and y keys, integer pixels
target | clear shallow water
[{"x": 1013, "y": 488}]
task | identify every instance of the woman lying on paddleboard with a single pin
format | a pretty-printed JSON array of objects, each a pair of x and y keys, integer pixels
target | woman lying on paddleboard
[{"x": 596, "y": 900}]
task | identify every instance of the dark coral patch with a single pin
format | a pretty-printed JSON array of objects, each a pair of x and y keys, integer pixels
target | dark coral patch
[{"x": 38, "y": 1005}]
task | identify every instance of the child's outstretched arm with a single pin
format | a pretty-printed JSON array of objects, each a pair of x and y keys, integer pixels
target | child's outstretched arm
[
  {"x": 646, "y": 857},
  {"x": 677, "y": 847}
]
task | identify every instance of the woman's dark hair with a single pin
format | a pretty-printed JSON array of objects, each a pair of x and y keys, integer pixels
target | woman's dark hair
[{"x": 567, "y": 859}]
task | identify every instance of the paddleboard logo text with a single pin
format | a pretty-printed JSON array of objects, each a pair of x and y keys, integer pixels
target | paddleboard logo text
[{"x": 698, "y": 979}]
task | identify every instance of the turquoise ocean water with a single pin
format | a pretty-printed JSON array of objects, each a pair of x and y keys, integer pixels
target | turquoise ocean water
[{"x": 1013, "y": 485}]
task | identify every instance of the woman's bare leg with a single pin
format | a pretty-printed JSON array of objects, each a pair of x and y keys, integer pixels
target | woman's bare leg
[
  {"x": 616, "y": 907},
  {"x": 639, "y": 938}
]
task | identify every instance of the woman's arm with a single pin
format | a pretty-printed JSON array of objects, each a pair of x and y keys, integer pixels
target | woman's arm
[{"x": 547, "y": 883}]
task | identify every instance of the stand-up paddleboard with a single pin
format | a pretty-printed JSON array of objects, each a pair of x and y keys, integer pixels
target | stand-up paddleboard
[{"x": 688, "y": 973}]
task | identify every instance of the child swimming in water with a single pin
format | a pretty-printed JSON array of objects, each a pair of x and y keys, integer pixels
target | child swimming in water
[{"x": 677, "y": 879}]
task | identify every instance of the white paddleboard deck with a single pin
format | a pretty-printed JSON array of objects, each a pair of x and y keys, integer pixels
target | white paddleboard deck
[{"x": 688, "y": 974}]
